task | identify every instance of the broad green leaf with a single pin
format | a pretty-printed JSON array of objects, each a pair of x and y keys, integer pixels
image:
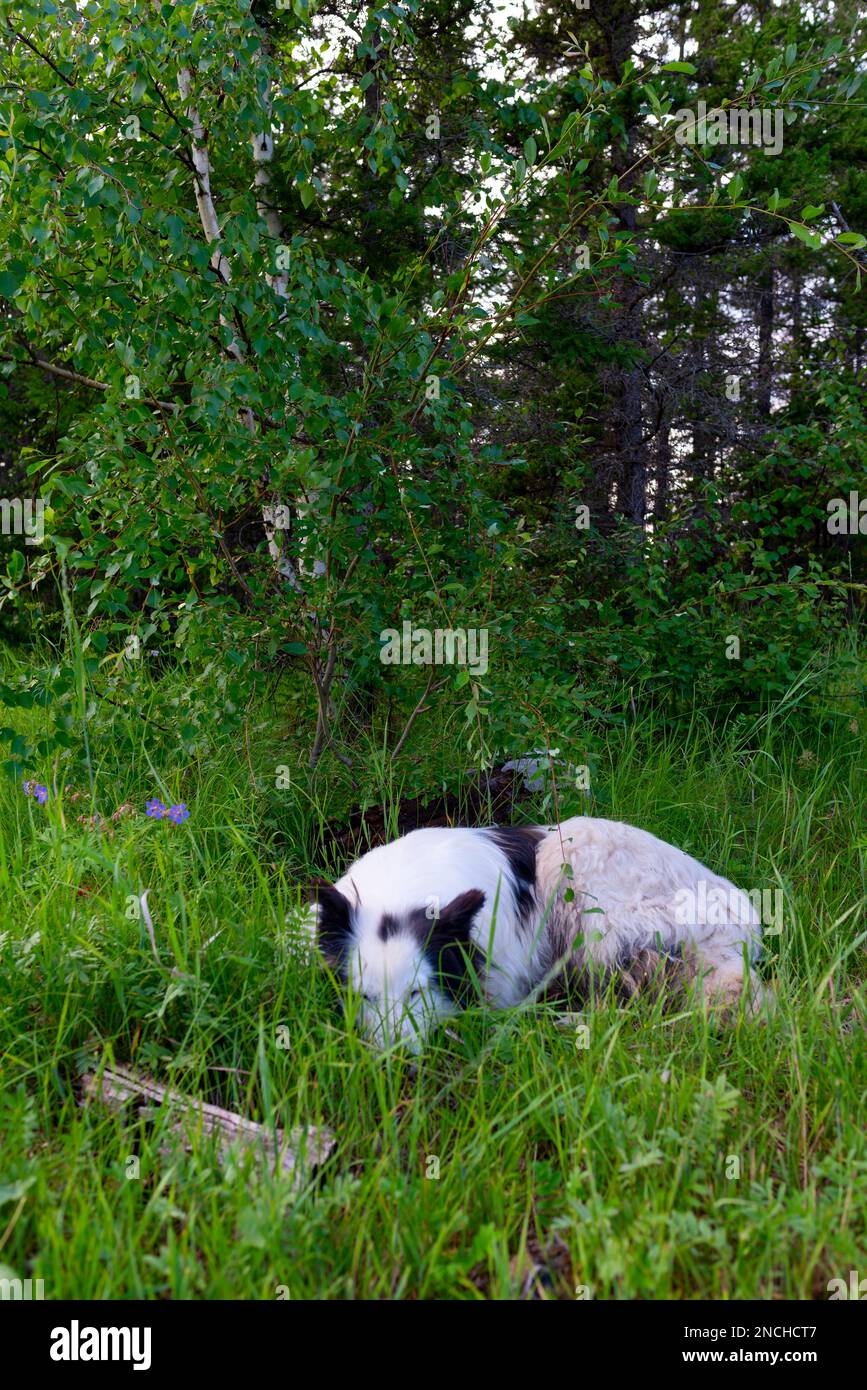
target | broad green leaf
[{"x": 809, "y": 238}]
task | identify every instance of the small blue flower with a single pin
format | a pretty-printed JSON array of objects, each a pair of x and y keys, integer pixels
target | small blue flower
[
  {"x": 178, "y": 813},
  {"x": 41, "y": 794},
  {"x": 156, "y": 808}
]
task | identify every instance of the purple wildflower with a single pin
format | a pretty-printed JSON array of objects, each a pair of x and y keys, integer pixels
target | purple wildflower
[
  {"x": 41, "y": 794},
  {"x": 178, "y": 813},
  {"x": 28, "y": 787},
  {"x": 156, "y": 808}
]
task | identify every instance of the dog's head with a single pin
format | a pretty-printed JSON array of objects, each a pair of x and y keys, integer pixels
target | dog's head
[{"x": 407, "y": 971}]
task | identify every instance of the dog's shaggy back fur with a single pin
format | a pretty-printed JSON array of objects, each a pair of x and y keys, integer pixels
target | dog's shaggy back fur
[
  {"x": 413, "y": 924},
  {"x": 631, "y": 891}
]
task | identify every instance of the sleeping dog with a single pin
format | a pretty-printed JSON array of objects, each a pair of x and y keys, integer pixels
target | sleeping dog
[{"x": 413, "y": 927}]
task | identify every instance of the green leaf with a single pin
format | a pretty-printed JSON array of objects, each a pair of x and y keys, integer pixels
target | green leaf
[
  {"x": 15, "y": 568},
  {"x": 530, "y": 150},
  {"x": 9, "y": 284},
  {"x": 811, "y": 239},
  {"x": 679, "y": 67}
]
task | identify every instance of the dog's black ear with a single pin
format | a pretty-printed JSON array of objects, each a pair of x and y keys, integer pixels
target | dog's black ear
[
  {"x": 334, "y": 929},
  {"x": 450, "y": 947},
  {"x": 456, "y": 918}
]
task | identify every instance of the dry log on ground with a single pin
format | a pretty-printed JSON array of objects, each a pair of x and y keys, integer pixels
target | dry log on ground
[{"x": 302, "y": 1150}]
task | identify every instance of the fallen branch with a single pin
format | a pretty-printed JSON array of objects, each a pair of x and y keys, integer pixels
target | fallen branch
[{"x": 303, "y": 1148}]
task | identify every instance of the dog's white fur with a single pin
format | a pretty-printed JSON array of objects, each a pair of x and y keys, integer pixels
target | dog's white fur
[
  {"x": 628, "y": 886},
  {"x": 624, "y": 884}
]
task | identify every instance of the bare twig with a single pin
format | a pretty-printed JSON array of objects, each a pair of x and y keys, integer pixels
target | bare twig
[
  {"x": 323, "y": 685},
  {"x": 416, "y": 712}
]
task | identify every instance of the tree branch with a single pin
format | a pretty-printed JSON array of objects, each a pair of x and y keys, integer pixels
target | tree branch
[
  {"x": 417, "y": 711},
  {"x": 36, "y": 359}
]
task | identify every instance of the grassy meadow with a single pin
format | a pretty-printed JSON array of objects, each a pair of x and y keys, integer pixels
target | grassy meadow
[{"x": 631, "y": 1151}]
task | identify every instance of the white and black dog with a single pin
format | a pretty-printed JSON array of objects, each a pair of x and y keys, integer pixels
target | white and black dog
[{"x": 413, "y": 926}]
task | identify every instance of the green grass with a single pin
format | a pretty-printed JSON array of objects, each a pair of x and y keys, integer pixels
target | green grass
[{"x": 667, "y": 1158}]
